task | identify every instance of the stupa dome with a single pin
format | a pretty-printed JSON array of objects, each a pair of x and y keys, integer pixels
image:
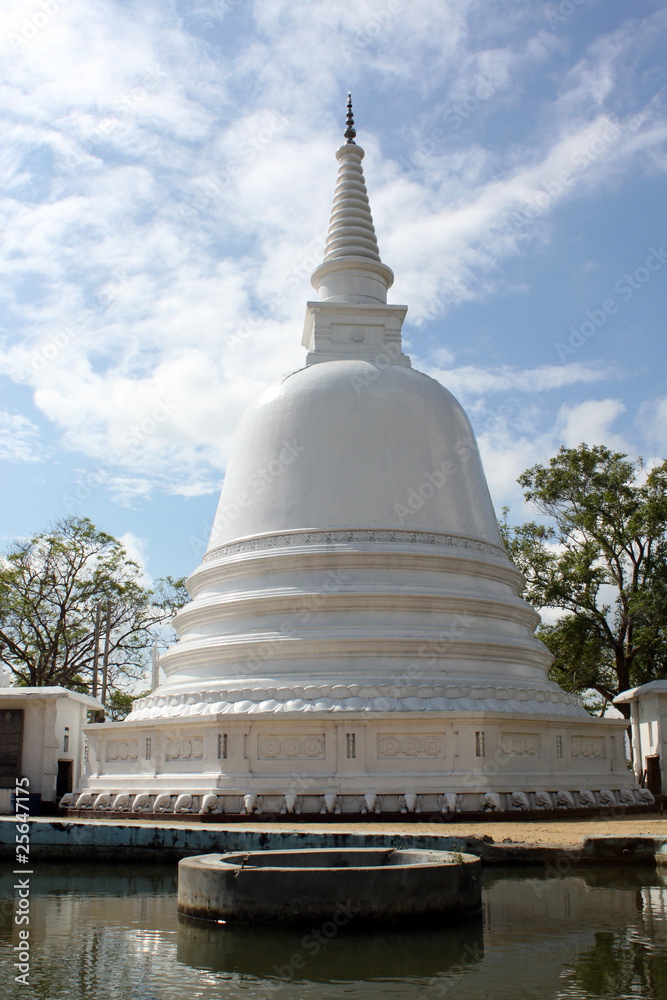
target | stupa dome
[{"x": 354, "y": 443}]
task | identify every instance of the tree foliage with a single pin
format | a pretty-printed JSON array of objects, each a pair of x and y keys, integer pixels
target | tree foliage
[
  {"x": 50, "y": 588},
  {"x": 601, "y": 564}
]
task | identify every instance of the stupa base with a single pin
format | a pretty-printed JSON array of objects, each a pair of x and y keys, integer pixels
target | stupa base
[{"x": 357, "y": 764}]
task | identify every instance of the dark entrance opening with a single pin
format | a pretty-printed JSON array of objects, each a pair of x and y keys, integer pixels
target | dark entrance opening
[
  {"x": 64, "y": 779},
  {"x": 653, "y": 777}
]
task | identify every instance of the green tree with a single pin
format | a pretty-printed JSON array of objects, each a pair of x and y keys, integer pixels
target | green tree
[
  {"x": 50, "y": 588},
  {"x": 601, "y": 564}
]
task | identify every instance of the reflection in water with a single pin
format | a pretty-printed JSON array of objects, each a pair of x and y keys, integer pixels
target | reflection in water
[
  {"x": 615, "y": 967},
  {"x": 320, "y": 954},
  {"x": 99, "y": 934}
]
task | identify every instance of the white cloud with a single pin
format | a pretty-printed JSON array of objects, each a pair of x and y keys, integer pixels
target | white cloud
[
  {"x": 446, "y": 253},
  {"x": 653, "y": 421},
  {"x": 515, "y": 437},
  {"x": 159, "y": 255},
  {"x": 19, "y": 438},
  {"x": 597, "y": 74},
  {"x": 591, "y": 422},
  {"x": 137, "y": 550},
  {"x": 470, "y": 381}
]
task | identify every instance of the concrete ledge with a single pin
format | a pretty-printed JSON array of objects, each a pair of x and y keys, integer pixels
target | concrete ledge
[{"x": 136, "y": 840}]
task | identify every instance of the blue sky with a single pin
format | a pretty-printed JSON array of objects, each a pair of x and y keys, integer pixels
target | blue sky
[{"x": 167, "y": 177}]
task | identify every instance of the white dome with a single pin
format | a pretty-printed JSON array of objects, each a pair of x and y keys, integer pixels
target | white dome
[
  {"x": 355, "y": 561},
  {"x": 354, "y": 444}
]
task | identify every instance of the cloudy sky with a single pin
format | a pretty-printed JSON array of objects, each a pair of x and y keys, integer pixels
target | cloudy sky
[{"x": 167, "y": 175}]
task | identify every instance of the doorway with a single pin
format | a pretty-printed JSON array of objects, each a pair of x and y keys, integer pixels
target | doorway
[{"x": 64, "y": 779}]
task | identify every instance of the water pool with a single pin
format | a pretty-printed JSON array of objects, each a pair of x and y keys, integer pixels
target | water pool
[{"x": 112, "y": 932}]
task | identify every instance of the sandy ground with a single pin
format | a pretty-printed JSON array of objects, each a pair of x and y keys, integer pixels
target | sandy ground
[{"x": 529, "y": 832}]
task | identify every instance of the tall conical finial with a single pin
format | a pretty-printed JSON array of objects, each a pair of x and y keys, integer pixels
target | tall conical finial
[
  {"x": 351, "y": 318},
  {"x": 351, "y": 270},
  {"x": 350, "y": 131}
]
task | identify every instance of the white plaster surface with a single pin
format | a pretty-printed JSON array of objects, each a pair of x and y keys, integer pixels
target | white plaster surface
[
  {"x": 648, "y": 707},
  {"x": 50, "y": 713},
  {"x": 356, "y": 640}
]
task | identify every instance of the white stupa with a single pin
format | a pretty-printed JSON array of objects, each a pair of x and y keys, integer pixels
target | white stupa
[{"x": 355, "y": 639}]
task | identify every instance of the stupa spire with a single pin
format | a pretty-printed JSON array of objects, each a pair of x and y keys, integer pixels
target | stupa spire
[
  {"x": 351, "y": 318},
  {"x": 352, "y": 270},
  {"x": 350, "y": 131}
]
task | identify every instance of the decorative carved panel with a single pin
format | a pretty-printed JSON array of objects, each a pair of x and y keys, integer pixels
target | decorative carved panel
[
  {"x": 354, "y": 535},
  {"x": 584, "y": 746},
  {"x": 424, "y": 745},
  {"x": 123, "y": 750},
  {"x": 290, "y": 748},
  {"x": 520, "y": 744},
  {"x": 185, "y": 749}
]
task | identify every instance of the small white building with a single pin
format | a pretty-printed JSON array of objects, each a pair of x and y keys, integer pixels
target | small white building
[
  {"x": 41, "y": 739},
  {"x": 648, "y": 716}
]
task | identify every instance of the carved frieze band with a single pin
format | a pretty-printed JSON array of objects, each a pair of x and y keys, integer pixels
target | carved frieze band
[
  {"x": 425, "y": 745},
  {"x": 290, "y": 748},
  {"x": 185, "y": 749},
  {"x": 123, "y": 750},
  {"x": 367, "y": 698},
  {"x": 583, "y": 746},
  {"x": 520, "y": 744},
  {"x": 354, "y": 535}
]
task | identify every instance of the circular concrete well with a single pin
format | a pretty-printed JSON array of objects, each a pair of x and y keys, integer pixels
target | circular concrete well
[{"x": 339, "y": 885}]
